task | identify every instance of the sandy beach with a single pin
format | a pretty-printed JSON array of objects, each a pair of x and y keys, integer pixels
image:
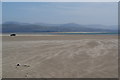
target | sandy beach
[{"x": 60, "y": 56}]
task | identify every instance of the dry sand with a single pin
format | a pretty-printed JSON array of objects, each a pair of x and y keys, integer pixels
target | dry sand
[{"x": 72, "y": 56}]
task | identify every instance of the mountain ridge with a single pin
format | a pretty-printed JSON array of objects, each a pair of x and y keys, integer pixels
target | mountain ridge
[{"x": 10, "y": 27}]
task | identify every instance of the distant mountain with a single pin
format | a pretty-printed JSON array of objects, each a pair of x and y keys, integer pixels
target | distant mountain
[
  {"x": 112, "y": 27},
  {"x": 14, "y": 27}
]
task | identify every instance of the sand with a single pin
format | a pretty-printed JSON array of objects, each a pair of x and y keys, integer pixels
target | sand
[{"x": 63, "y": 56}]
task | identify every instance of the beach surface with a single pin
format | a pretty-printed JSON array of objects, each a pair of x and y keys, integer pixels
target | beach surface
[{"x": 60, "y": 56}]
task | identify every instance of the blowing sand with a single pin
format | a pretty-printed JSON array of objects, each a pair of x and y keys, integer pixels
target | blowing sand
[{"x": 72, "y": 56}]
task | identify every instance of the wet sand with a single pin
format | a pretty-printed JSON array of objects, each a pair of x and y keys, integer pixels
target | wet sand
[
  {"x": 56, "y": 37},
  {"x": 63, "y": 56}
]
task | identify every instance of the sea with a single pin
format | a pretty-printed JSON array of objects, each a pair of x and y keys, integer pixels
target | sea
[
  {"x": 67, "y": 33},
  {"x": 83, "y": 33}
]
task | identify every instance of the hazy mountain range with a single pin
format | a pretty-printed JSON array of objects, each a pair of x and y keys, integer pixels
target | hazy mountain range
[{"x": 14, "y": 27}]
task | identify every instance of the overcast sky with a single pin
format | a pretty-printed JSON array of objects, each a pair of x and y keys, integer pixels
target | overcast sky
[{"x": 104, "y": 13}]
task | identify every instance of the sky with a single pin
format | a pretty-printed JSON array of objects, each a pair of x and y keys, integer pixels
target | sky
[
  {"x": 104, "y": 13},
  {"x": 60, "y": 0},
  {"x": 0, "y": 13}
]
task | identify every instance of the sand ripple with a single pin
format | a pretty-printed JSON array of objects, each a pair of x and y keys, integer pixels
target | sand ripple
[{"x": 61, "y": 58}]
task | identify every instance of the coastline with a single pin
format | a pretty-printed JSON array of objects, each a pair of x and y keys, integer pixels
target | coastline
[{"x": 37, "y": 37}]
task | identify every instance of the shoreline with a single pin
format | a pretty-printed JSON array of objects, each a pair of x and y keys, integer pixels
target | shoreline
[{"x": 55, "y": 37}]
